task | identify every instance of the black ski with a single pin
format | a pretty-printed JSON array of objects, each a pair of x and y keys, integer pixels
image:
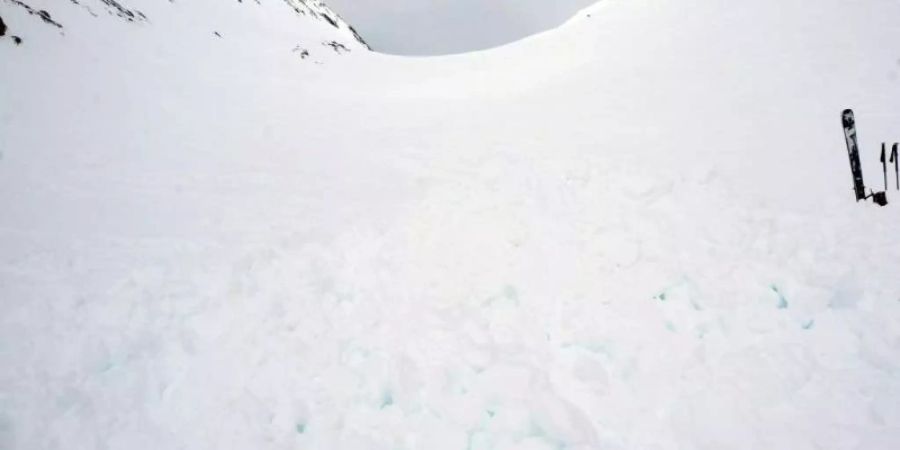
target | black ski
[{"x": 853, "y": 150}]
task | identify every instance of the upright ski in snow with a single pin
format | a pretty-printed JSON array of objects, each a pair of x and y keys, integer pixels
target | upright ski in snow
[{"x": 853, "y": 149}]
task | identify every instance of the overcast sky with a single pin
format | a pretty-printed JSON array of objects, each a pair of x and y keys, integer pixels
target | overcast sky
[{"x": 429, "y": 27}]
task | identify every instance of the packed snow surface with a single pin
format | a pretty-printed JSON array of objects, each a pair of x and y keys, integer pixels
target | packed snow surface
[{"x": 636, "y": 231}]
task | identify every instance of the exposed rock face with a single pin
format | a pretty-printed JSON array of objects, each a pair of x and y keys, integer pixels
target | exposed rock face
[
  {"x": 321, "y": 11},
  {"x": 120, "y": 11},
  {"x": 42, "y": 14}
]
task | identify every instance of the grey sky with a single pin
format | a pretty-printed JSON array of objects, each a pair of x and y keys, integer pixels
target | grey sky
[{"x": 431, "y": 27}]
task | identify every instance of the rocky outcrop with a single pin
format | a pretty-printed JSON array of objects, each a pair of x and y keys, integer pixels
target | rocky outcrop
[
  {"x": 42, "y": 14},
  {"x": 321, "y": 11}
]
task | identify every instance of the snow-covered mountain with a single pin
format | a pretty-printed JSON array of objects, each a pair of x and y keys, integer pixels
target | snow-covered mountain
[
  {"x": 637, "y": 230},
  {"x": 305, "y": 23}
]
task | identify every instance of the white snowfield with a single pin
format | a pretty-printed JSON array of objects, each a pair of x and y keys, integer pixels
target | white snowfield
[{"x": 636, "y": 231}]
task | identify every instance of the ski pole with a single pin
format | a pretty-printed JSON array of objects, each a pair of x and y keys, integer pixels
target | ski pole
[{"x": 895, "y": 158}]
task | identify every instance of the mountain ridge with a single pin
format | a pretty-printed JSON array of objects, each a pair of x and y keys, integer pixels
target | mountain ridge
[{"x": 62, "y": 17}]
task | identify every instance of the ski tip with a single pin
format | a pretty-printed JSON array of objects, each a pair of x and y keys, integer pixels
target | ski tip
[{"x": 847, "y": 119}]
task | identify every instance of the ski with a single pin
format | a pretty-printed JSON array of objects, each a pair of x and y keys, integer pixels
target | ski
[{"x": 849, "y": 123}]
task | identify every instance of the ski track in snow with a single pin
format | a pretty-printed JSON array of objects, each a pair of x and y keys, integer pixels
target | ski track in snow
[{"x": 591, "y": 239}]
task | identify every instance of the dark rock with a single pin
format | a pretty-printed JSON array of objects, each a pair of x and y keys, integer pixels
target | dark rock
[
  {"x": 17, "y": 40},
  {"x": 337, "y": 46},
  {"x": 44, "y": 15},
  {"x": 122, "y": 11},
  {"x": 2, "y": 27},
  {"x": 304, "y": 53},
  {"x": 359, "y": 38}
]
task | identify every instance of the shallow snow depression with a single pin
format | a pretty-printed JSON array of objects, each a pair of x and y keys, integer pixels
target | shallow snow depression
[{"x": 635, "y": 231}]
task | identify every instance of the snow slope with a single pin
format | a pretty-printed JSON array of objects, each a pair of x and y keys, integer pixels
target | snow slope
[
  {"x": 441, "y": 27},
  {"x": 635, "y": 231}
]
